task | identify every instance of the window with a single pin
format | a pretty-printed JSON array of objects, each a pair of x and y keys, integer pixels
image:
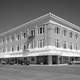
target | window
[
  {"x": 21, "y": 34},
  {"x": 24, "y": 35},
  {"x": 76, "y": 46},
  {"x": 64, "y": 44},
  {"x": 71, "y": 34},
  {"x": 4, "y": 49},
  {"x": 25, "y": 47},
  {"x": 32, "y": 45},
  {"x": 57, "y": 30},
  {"x": 18, "y": 36},
  {"x": 32, "y": 32},
  {"x": 76, "y": 36},
  {"x": 41, "y": 30},
  {"x": 3, "y": 40},
  {"x": 12, "y": 37},
  {"x": 64, "y": 32},
  {"x": 12, "y": 48},
  {"x": 18, "y": 48},
  {"x": 41, "y": 43},
  {"x": 57, "y": 43},
  {"x": 70, "y": 45}
]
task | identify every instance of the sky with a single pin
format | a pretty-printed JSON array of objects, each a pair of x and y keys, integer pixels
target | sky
[{"x": 16, "y": 12}]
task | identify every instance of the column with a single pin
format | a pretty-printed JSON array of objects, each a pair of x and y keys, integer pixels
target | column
[
  {"x": 58, "y": 60},
  {"x": 62, "y": 61},
  {"x": 50, "y": 59}
]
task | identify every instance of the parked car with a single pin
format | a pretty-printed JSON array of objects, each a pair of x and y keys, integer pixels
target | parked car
[
  {"x": 24, "y": 62},
  {"x": 3, "y": 62},
  {"x": 74, "y": 62}
]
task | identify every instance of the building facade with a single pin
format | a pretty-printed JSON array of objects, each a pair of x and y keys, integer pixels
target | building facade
[{"x": 48, "y": 39}]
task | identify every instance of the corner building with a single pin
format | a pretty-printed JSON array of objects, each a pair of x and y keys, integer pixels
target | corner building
[{"x": 48, "y": 39}]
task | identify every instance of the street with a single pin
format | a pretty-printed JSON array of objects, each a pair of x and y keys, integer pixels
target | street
[{"x": 18, "y": 72}]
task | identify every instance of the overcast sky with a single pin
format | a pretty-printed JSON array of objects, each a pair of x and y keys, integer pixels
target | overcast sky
[{"x": 17, "y": 12}]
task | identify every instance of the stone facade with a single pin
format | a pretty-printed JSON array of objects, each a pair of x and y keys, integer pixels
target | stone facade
[{"x": 47, "y": 38}]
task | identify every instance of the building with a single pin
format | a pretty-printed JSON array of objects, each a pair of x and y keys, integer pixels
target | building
[{"x": 48, "y": 39}]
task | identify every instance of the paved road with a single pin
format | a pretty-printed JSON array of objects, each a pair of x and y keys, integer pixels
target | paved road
[{"x": 39, "y": 72}]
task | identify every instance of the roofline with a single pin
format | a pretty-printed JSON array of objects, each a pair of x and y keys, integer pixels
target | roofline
[
  {"x": 3, "y": 33},
  {"x": 63, "y": 20},
  {"x": 48, "y": 14}
]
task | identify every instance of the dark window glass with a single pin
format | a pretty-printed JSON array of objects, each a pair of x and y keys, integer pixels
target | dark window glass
[
  {"x": 76, "y": 47},
  {"x": 40, "y": 30},
  {"x": 70, "y": 45},
  {"x": 18, "y": 48},
  {"x": 76, "y": 36},
  {"x": 24, "y": 35},
  {"x": 24, "y": 47},
  {"x": 64, "y": 32},
  {"x": 3, "y": 40},
  {"x": 71, "y": 34},
  {"x": 32, "y": 32},
  {"x": 57, "y": 43},
  {"x": 64, "y": 45},
  {"x": 18, "y": 37},
  {"x": 43, "y": 29},
  {"x": 12, "y": 48},
  {"x": 57, "y": 30},
  {"x": 40, "y": 43}
]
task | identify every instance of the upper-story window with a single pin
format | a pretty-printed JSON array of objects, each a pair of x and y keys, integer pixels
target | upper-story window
[
  {"x": 64, "y": 45},
  {"x": 57, "y": 30},
  {"x": 18, "y": 37},
  {"x": 64, "y": 32},
  {"x": 3, "y": 40},
  {"x": 76, "y": 36},
  {"x": 12, "y": 48},
  {"x": 71, "y": 34},
  {"x": 21, "y": 35},
  {"x": 25, "y": 47},
  {"x": 70, "y": 45},
  {"x": 12, "y": 38},
  {"x": 41, "y": 43},
  {"x": 24, "y": 34},
  {"x": 4, "y": 49},
  {"x": 41, "y": 30},
  {"x": 76, "y": 46},
  {"x": 18, "y": 47},
  {"x": 33, "y": 32},
  {"x": 57, "y": 43}
]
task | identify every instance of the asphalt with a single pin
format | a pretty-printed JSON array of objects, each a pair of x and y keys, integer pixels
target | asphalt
[{"x": 36, "y": 72}]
